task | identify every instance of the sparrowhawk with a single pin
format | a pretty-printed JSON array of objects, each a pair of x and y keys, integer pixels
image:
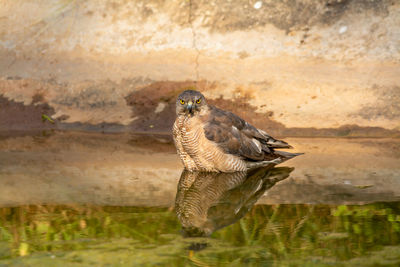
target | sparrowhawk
[{"x": 211, "y": 139}]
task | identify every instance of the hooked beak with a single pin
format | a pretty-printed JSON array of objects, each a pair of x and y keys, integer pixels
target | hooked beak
[{"x": 190, "y": 106}]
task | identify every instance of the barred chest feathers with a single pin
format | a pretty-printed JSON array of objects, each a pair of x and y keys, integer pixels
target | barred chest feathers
[{"x": 197, "y": 152}]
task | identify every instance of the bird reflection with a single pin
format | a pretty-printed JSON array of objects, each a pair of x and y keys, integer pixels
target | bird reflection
[{"x": 208, "y": 201}]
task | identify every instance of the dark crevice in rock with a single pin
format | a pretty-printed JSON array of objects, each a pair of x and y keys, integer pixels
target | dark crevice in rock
[
  {"x": 153, "y": 112},
  {"x": 18, "y": 116},
  {"x": 194, "y": 41}
]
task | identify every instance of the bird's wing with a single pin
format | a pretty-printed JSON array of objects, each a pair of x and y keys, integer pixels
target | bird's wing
[{"x": 236, "y": 136}]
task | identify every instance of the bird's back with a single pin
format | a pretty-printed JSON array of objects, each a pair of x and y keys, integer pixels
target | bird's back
[{"x": 238, "y": 137}]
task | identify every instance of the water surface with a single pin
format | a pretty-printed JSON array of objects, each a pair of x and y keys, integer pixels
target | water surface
[{"x": 75, "y": 199}]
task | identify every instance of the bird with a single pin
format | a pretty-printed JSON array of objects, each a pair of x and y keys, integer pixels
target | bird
[
  {"x": 210, "y": 139},
  {"x": 208, "y": 201}
]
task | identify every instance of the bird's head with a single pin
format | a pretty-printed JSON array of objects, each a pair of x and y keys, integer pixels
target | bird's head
[{"x": 190, "y": 103}]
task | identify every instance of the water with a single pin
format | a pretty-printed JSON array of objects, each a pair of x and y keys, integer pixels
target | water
[{"x": 74, "y": 199}]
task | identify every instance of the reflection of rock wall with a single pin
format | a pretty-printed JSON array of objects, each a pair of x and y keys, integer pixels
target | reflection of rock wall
[{"x": 313, "y": 64}]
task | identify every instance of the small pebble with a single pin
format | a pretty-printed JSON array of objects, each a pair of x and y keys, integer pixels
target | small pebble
[
  {"x": 257, "y": 5},
  {"x": 343, "y": 29}
]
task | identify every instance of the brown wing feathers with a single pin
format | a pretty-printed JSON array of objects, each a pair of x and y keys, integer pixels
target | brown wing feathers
[{"x": 235, "y": 136}]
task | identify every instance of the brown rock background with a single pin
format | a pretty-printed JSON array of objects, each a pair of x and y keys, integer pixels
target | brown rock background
[{"x": 299, "y": 68}]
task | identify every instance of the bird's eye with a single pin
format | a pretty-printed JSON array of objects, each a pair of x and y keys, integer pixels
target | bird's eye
[
  {"x": 198, "y": 101},
  {"x": 182, "y": 102}
]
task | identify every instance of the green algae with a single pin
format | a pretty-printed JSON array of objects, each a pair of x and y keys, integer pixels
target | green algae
[{"x": 269, "y": 235}]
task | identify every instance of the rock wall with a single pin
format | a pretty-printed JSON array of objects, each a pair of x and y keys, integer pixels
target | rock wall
[{"x": 326, "y": 67}]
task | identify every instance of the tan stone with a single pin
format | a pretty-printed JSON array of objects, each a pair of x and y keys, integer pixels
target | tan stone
[{"x": 312, "y": 64}]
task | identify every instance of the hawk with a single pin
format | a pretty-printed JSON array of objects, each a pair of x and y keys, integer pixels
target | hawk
[{"x": 214, "y": 140}]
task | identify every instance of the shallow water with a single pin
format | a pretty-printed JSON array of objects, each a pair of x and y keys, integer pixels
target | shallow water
[{"x": 88, "y": 199}]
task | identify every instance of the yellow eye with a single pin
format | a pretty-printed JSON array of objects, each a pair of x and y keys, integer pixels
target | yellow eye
[
  {"x": 198, "y": 101},
  {"x": 182, "y": 102}
]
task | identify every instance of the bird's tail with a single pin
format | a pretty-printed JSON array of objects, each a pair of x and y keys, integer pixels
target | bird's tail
[{"x": 286, "y": 155}]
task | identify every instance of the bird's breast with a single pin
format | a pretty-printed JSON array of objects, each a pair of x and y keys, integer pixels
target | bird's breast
[
  {"x": 207, "y": 155},
  {"x": 191, "y": 133}
]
